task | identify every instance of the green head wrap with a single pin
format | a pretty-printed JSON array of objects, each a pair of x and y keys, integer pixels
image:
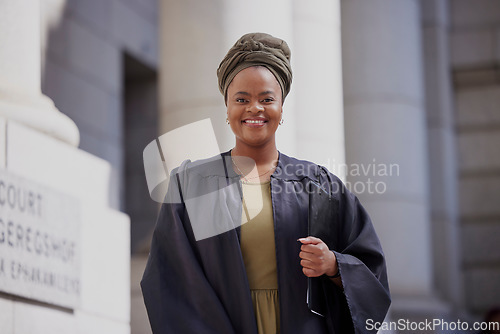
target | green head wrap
[{"x": 257, "y": 49}]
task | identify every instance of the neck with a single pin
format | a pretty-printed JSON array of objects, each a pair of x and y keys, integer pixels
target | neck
[
  {"x": 262, "y": 155},
  {"x": 255, "y": 164}
]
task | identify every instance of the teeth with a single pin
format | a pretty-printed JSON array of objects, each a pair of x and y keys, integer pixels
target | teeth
[{"x": 253, "y": 121}]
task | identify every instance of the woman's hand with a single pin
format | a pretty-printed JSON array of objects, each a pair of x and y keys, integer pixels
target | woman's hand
[{"x": 316, "y": 258}]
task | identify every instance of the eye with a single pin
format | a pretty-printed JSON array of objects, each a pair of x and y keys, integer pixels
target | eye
[
  {"x": 268, "y": 100},
  {"x": 240, "y": 100}
]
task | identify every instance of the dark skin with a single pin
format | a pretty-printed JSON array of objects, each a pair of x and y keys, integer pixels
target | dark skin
[{"x": 254, "y": 110}]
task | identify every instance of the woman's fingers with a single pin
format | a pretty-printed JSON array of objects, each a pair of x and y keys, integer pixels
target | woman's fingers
[
  {"x": 310, "y": 272},
  {"x": 307, "y": 256},
  {"x": 311, "y": 261},
  {"x": 314, "y": 248},
  {"x": 307, "y": 264},
  {"x": 316, "y": 257},
  {"x": 310, "y": 240}
]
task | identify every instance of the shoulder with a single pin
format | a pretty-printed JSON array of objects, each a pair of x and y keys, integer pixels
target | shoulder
[
  {"x": 192, "y": 178},
  {"x": 213, "y": 166}
]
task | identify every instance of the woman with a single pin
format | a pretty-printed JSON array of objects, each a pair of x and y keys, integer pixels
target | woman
[{"x": 231, "y": 252}]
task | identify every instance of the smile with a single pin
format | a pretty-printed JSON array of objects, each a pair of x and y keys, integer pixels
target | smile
[{"x": 254, "y": 121}]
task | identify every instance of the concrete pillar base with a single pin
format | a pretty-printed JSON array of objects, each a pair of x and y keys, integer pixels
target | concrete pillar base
[{"x": 39, "y": 113}]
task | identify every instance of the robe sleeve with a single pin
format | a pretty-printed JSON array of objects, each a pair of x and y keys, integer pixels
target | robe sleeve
[
  {"x": 177, "y": 295},
  {"x": 365, "y": 294}
]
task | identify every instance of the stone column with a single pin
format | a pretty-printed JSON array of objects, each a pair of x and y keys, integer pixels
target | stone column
[
  {"x": 21, "y": 99},
  {"x": 442, "y": 157},
  {"x": 386, "y": 137},
  {"x": 318, "y": 79},
  {"x": 191, "y": 47}
]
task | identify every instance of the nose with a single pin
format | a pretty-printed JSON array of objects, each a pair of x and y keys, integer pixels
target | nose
[{"x": 255, "y": 107}]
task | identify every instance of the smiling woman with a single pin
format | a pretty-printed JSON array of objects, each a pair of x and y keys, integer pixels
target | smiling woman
[
  {"x": 256, "y": 276},
  {"x": 255, "y": 77}
]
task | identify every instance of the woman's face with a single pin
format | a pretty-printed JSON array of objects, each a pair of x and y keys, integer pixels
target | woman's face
[{"x": 254, "y": 106}]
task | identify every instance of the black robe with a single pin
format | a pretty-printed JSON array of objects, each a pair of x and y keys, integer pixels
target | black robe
[{"x": 195, "y": 279}]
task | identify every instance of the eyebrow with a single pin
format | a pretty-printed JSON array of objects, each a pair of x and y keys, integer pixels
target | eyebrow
[
  {"x": 260, "y": 94},
  {"x": 242, "y": 93},
  {"x": 267, "y": 92}
]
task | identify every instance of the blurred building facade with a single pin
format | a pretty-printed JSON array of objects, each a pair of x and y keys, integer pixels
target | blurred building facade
[
  {"x": 410, "y": 84},
  {"x": 64, "y": 248}
]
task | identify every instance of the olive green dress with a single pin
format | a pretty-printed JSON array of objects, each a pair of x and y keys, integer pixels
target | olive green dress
[{"x": 259, "y": 255}]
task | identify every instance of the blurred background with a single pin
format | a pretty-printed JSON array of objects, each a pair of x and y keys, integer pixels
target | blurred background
[{"x": 400, "y": 98}]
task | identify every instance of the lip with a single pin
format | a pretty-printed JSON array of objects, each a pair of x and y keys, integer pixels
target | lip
[{"x": 254, "y": 122}]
